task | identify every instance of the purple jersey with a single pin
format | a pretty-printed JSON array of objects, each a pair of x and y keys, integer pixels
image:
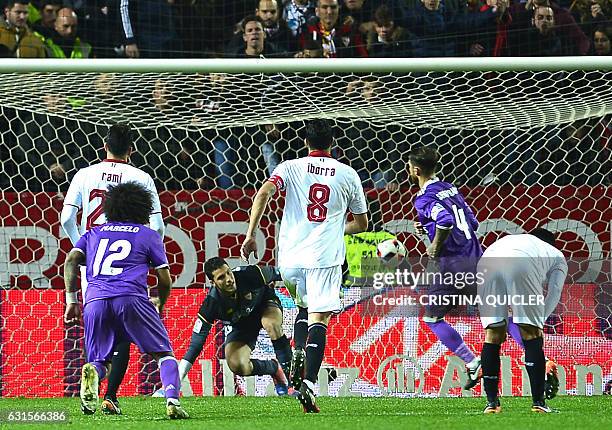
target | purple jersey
[
  {"x": 118, "y": 257},
  {"x": 440, "y": 205}
]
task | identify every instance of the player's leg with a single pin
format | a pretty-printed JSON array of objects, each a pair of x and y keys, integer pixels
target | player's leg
[
  {"x": 241, "y": 341},
  {"x": 295, "y": 282},
  {"x": 323, "y": 292},
  {"x": 515, "y": 332},
  {"x": 238, "y": 356},
  {"x": 100, "y": 328},
  {"x": 298, "y": 360},
  {"x": 434, "y": 318},
  {"x": 530, "y": 316},
  {"x": 143, "y": 326},
  {"x": 120, "y": 361},
  {"x": 535, "y": 363},
  {"x": 272, "y": 322},
  {"x": 495, "y": 335},
  {"x": 436, "y": 310}
]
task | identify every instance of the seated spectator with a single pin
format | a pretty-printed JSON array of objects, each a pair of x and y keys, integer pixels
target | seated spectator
[
  {"x": 15, "y": 34},
  {"x": 567, "y": 29},
  {"x": 542, "y": 39},
  {"x": 337, "y": 40},
  {"x": 48, "y": 13},
  {"x": 388, "y": 40},
  {"x": 436, "y": 30},
  {"x": 64, "y": 42},
  {"x": 601, "y": 41},
  {"x": 255, "y": 44},
  {"x": 493, "y": 39},
  {"x": 296, "y": 13}
]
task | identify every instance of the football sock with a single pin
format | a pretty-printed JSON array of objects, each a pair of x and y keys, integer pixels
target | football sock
[
  {"x": 282, "y": 349},
  {"x": 491, "y": 363},
  {"x": 315, "y": 349},
  {"x": 536, "y": 367},
  {"x": 169, "y": 375},
  {"x": 300, "y": 328},
  {"x": 101, "y": 368},
  {"x": 515, "y": 332},
  {"x": 452, "y": 340},
  {"x": 263, "y": 367},
  {"x": 121, "y": 359}
]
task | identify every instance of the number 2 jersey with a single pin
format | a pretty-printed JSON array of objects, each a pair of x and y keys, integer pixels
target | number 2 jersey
[
  {"x": 118, "y": 257},
  {"x": 319, "y": 192},
  {"x": 440, "y": 205},
  {"x": 89, "y": 184}
]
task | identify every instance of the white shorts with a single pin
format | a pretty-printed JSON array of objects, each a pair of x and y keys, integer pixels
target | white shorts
[
  {"x": 315, "y": 289},
  {"x": 509, "y": 284}
]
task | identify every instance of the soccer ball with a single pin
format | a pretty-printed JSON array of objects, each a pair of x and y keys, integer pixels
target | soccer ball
[{"x": 390, "y": 249}]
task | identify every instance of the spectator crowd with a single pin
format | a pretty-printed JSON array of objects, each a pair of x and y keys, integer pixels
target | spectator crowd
[
  {"x": 303, "y": 28},
  {"x": 42, "y": 151}
]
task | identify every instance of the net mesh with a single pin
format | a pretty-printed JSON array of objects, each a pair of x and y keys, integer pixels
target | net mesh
[{"x": 527, "y": 149}]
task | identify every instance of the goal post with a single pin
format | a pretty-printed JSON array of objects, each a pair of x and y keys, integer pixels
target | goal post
[{"x": 527, "y": 141}]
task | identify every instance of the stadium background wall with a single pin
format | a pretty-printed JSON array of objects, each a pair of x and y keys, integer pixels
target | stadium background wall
[{"x": 40, "y": 357}]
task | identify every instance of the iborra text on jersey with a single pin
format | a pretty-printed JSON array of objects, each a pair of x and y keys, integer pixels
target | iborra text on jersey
[{"x": 325, "y": 171}]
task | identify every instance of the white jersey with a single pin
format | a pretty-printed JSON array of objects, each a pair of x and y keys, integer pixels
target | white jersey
[
  {"x": 519, "y": 266},
  {"x": 90, "y": 183},
  {"x": 320, "y": 191},
  {"x": 538, "y": 257}
]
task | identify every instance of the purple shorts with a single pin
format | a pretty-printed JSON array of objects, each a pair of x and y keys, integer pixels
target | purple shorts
[
  {"x": 126, "y": 318},
  {"x": 458, "y": 267}
]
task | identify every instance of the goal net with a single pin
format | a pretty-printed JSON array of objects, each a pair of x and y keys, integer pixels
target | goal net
[{"x": 526, "y": 148}]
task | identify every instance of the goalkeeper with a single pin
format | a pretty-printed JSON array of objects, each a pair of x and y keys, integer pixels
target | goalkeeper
[{"x": 244, "y": 299}]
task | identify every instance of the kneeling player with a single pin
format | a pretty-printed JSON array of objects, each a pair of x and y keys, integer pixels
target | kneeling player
[
  {"x": 516, "y": 267},
  {"x": 117, "y": 308},
  {"x": 243, "y": 299}
]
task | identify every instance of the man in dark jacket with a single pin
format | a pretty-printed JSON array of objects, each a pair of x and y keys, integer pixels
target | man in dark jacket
[{"x": 437, "y": 29}]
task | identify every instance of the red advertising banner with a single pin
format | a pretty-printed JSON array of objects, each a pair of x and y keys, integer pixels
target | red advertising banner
[{"x": 392, "y": 354}]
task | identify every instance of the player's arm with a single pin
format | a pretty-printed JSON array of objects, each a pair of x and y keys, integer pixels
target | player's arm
[
  {"x": 156, "y": 221},
  {"x": 200, "y": 332},
  {"x": 358, "y": 206},
  {"x": 556, "y": 280},
  {"x": 72, "y": 203},
  {"x": 359, "y": 224},
  {"x": 270, "y": 274},
  {"x": 71, "y": 270},
  {"x": 164, "y": 285},
  {"x": 68, "y": 220},
  {"x": 437, "y": 244},
  {"x": 260, "y": 202},
  {"x": 444, "y": 224}
]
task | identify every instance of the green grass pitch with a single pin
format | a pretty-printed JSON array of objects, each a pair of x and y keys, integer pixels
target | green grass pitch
[{"x": 269, "y": 413}]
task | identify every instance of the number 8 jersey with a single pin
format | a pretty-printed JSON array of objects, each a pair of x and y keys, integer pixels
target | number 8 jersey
[
  {"x": 118, "y": 256},
  {"x": 320, "y": 191},
  {"x": 440, "y": 205},
  {"x": 88, "y": 186}
]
